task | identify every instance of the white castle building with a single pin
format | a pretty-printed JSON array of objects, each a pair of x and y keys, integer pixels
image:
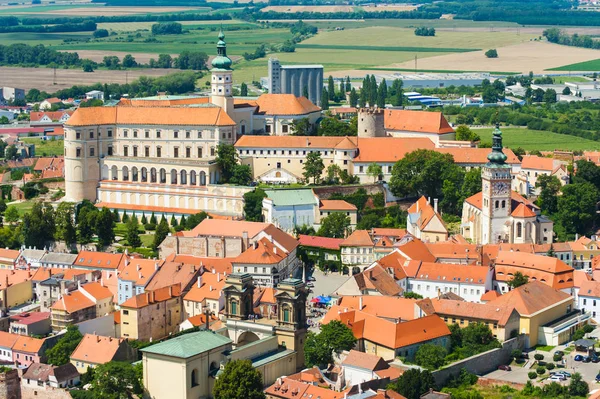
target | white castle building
[{"x": 158, "y": 154}]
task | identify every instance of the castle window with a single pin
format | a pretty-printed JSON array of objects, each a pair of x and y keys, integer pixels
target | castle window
[
  {"x": 199, "y": 152},
  {"x": 519, "y": 229},
  {"x": 124, "y": 133},
  {"x": 233, "y": 307},
  {"x": 135, "y": 133},
  {"x": 195, "y": 378},
  {"x": 188, "y": 152},
  {"x": 199, "y": 134},
  {"x": 77, "y": 135},
  {"x": 284, "y": 128},
  {"x": 212, "y": 151},
  {"x": 125, "y": 151},
  {"x": 175, "y": 152},
  {"x": 92, "y": 152},
  {"x": 503, "y": 204},
  {"x": 158, "y": 134},
  {"x": 158, "y": 152},
  {"x": 286, "y": 315},
  {"x": 135, "y": 151},
  {"x": 78, "y": 152},
  {"x": 147, "y": 151},
  {"x": 91, "y": 135},
  {"x": 109, "y": 133},
  {"x": 110, "y": 150},
  {"x": 187, "y": 134},
  {"x": 147, "y": 134},
  {"x": 497, "y": 204},
  {"x": 175, "y": 134}
]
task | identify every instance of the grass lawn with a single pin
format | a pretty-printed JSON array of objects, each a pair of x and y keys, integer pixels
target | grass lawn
[
  {"x": 563, "y": 79},
  {"x": 46, "y": 148},
  {"x": 545, "y": 348},
  {"x": 147, "y": 239},
  {"x": 592, "y": 66},
  {"x": 34, "y": 38},
  {"x": 538, "y": 140},
  {"x": 568, "y": 349},
  {"x": 24, "y": 207}
]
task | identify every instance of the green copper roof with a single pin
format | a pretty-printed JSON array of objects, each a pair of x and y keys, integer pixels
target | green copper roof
[
  {"x": 291, "y": 197},
  {"x": 221, "y": 61},
  {"x": 496, "y": 157},
  {"x": 189, "y": 345}
]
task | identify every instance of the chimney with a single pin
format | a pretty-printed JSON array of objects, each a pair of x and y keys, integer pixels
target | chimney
[
  {"x": 170, "y": 291},
  {"x": 275, "y": 250},
  {"x": 429, "y": 200},
  {"x": 360, "y": 302},
  {"x": 218, "y": 277},
  {"x": 244, "y": 240},
  {"x": 435, "y": 205},
  {"x": 97, "y": 338},
  {"x": 199, "y": 281},
  {"x": 193, "y": 267},
  {"x": 155, "y": 266},
  {"x": 210, "y": 288},
  {"x": 576, "y": 236}
]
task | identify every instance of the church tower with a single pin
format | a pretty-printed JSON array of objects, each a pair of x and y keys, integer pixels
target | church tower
[
  {"x": 496, "y": 194},
  {"x": 239, "y": 296},
  {"x": 221, "y": 83},
  {"x": 291, "y": 317}
]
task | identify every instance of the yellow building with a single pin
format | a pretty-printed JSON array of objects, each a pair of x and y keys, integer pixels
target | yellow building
[
  {"x": 424, "y": 221},
  {"x": 153, "y": 314},
  {"x": 8, "y": 258},
  {"x": 329, "y": 207},
  {"x": 547, "y": 315},
  {"x": 15, "y": 288},
  {"x": 502, "y": 321},
  {"x": 584, "y": 251}
]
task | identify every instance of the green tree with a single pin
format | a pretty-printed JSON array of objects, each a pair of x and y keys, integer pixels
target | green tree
[
  {"x": 253, "y": 205},
  {"x": 239, "y": 380},
  {"x": 492, "y": 53},
  {"x": 577, "y": 208},
  {"x": 60, "y": 353},
  {"x": 11, "y": 214},
  {"x": 104, "y": 228},
  {"x": 517, "y": 280},
  {"x": 382, "y": 94},
  {"x": 173, "y": 221},
  {"x": 242, "y": 175},
  {"x": 302, "y": 127},
  {"x": 372, "y": 91},
  {"x": 11, "y": 153},
  {"x": 353, "y": 97},
  {"x": 162, "y": 231},
  {"x": 375, "y": 171},
  {"x": 477, "y": 334},
  {"x": 244, "y": 90},
  {"x": 116, "y": 216},
  {"x": 335, "y": 225},
  {"x": 129, "y": 61},
  {"x": 194, "y": 220},
  {"x": 153, "y": 219},
  {"x": 324, "y": 100},
  {"x": 226, "y": 159},
  {"x": 550, "y": 96},
  {"x": 305, "y": 92},
  {"x": 87, "y": 66},
  {"x": 578, "y": 387},
  {"x": 397, "y": 92},
  {"x": 132, "y": 234},
  {"x": 463, "y": 133},
  {"x": 65, "y": 228},
  {"x": 413, "y": 383},
  {"x": 566, "y": 91},
  {"x": 116, "y": 380},
  {"x": 549, "y": 189},
  {"x": 430, "y": 356},
  {"x": 334, "y": 337},
  {"x": 587, "y": 172},
  {"x": 331, "y": 88},
  {"x": 38, "y": 225},
  {"x": 86, "y": 222},
  {"x": 313, "y": 166}
]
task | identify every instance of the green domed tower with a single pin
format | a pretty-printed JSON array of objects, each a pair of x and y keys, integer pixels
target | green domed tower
[{"x": 222, "y": 77}]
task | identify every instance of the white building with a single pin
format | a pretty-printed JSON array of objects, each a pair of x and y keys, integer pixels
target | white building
[
  {"x": 94, "y": 95},
  {"x": 588, "y": 299},
  {"x": 532, "y": 167}
]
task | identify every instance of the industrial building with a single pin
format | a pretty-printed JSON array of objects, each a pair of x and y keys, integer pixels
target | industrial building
[
  {"x": 11, "y": 94},
  {"x": 434, "y": 80},
  {"x": 295, "y": 79}
]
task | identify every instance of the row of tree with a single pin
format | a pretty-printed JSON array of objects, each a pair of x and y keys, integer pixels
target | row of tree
[{"x": 85, "y": 26}]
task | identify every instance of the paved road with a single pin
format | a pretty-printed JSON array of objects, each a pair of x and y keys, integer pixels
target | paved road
[{"x": 323, "y": 285}]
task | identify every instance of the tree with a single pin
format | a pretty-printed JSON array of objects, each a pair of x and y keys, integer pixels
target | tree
[
  {"x": 422, "y": 172},
  {"x": 115, "y": 380},
  {"x": 244, "y": 90},
  {"x": 489, "y": 95},
  {"x": 491, "y": 53},
  {"x": 335, "y": 225},
  {"x": 99, "y": 33},
  {"x": 11, "y": 153},
  {"x": 353, "y": 97},
  {"x": 60, "y": 353},
  {"x": 549, "y": 189},
  {"x": 324, "y": 100},
  {"x": 413, "y": 383},
  {"x": 463, "y": 133},
  {"x": 194, "y": 220},
  {"x": 477, "y": 334},
  {"x": 430, "y": 356},
  {"x": 566, "y": 91},
  {"x": 253, "y": 205},
  {"x": 11, "y": 214},
  {"x": 372, "y": 91},
  {"x": 65, "y": 228},
  {"x": 86, "y": 222},
  {"x": 302, "y": 127},
  {"x": 227, "y": 159},
  {"x": 397, "y": 92},
  {"x": 167, "y": 28},
  {"x": 38, "y": 225},
  {"x": 381, "y": 94},
  {"x": 587, "y": 172},
  {"x": 578, "y": 387},
  {"x": 104, "y": 227},
  {"x": 313, "y": 166},
  {"x": 242, "y": 175},
  {"x": 374, "y": 170},
  {"x": 165, "y": 61},
  {"x": 162, "y": 231},
  {"x": 331, "y": 88},
  {"x": 517, "y": 280},
  {"x": 577, "y": 208},
  {"x": 129, "y": 61},
  {"x": 174, "y": 221},
  {"x": 532, "y": 375},
  {"x": 334, "y": 337},
  {"x": 132, "y": 234},
  {"x": 550, "y": 96},
  {"x": 239, "y": 380}
]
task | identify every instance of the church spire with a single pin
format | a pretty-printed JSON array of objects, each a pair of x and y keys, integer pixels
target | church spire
[
  {"x": 221, "y": 61},
  {"x": 496, "y": 157}
]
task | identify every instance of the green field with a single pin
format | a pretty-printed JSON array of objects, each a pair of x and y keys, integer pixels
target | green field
[
  {"x": 410, "y": 23},
  {"x": 574, "y": 79},
  {"x": 133, "y": 26},
  {"x": 24, "y": 207},
  {"x": 46, "y": 148},
  {"x": 538, "y": 140},
  {"x": 387, "y": 48},
  {"x": 592, "y": 66}
]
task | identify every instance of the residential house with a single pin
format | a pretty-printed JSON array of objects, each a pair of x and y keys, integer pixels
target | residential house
[
  {"x": 289, "y": 209},
  {"x": 450, "y": 252},
  {"x": 425, "y": 223},
  {"x": 8, "y": 258},
  {"x": 548, "y": 315},
  {"x": 44, "y": 376},
  {"x": 135, "y": 276},
  {"x": 579, "y": 277},
  {"x": 85, "y": 303},
  {"x": 7, "y": 342},
  {"x": 30, "y": 258},
  {"x": 91, "y": 260},
  {"x": 200, "y": 321},
  {"x": 374, "y": 280},
  {"x": 15, "y": 288},
  {"x": 49, "y": 102},
  {"x": 58, "y": 260},
  {"x": 267, "y": 262},
  {"x": 329, "y": 207},
  {"x": 94, "y": 95},
  {"x": 390, "y": 339},
  {"x": 502, "y": 321},
  {"x": 94, "y": 350},
  {"x": 407, "y": 123},
  {"x": 205, "y": 295},
  {"x": 290, "y": 388},
  {"x": 152, "y": 315},
  {"x": 532, "y": 167},
  {"x": 322, "y": 250},
  {"x": 359, "y": 367},
  {"x": 588, "y": 299},
  {"x": 584, "y": 250},
  {"x": 392, "y": 308},
  {"x": 27, "y": 350},
  {"x": 50, "y": 284},
  {"x": 174, "y": 273},
  {"x": 35, "y": 323},
  {"x": 546, "y": 269},
  {"x": 364, "y": 247},
  {"x": 434, "y": 279}
]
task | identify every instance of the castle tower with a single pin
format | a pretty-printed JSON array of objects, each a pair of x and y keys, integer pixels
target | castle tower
[
  {"x": 221, "y": 82},
  {"x": 496, "y": 194},
  {"x": 239, "y": 296},
  {"x": 371, "y": 122},
  {"x": 291, "y": 317}
]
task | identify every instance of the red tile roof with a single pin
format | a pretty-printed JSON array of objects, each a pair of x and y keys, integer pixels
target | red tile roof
[
  {"x": 522, "y": 211},
  {"x": 389, "y": 149},
  {"x": 72, "y": 302},
  {"x": 537, "y": 163},
  {"x": 30, "y": 318},
  {"x": 285, "y": 104},
  {"x": 358, "y": 238},
  {"x": 416, "y": 121},
  {"x": 476, "y": 156},
  {"x": 532, "y": 298},
  {"x": 317, "y": 142},
  {"x": 98, "y": 260},
  {"x": 262, "y": 252},
  {"x": 151, "y": 297},
  {"x": 320, "y": 242},
  {"x": 336, "y": 205},
  {"x": 96, "y": 349},
  {"x": 28, "y": 344}
]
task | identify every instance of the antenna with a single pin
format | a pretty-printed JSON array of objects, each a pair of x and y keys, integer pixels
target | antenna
[{"x": 54, "y": 78}]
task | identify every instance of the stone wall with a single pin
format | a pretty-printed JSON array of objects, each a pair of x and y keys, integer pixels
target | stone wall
[
  {"x": 326, "y": 192},
  {"x": 482, "y": 363},
  {"x": 10, "y": 386},
  {"x": 46, "y": 393}
]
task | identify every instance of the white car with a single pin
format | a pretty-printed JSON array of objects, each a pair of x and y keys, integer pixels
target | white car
[{"x": 557, "y": 378}]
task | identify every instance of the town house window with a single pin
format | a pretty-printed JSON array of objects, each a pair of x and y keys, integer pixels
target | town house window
[
  {"x": 158, "y": 152},
  {"x": 188, "y": 134},
  {"x": 175, "y": 134},
  {"x": 147, "y": 151},
  {"x": 135, "y": 133},
  {"x": 77, "y": 135},
  {"x": 176, "y": 152},
  {"x": 125, "y": 133},
  {"x": 188, "y": 152},
  {"x": 78, "y": 152},
  {"x": 109, "y": 133},
  {"x": 199, "y": 152},
  {"x": 147, "y": 134},
  {"x": 135, "y": 151},
  {"x": 92, "y": 151},
  {"x": 125, "y": 151},
  {"x": 158, "y": 134},
  {"x": 110, "y": 150}
]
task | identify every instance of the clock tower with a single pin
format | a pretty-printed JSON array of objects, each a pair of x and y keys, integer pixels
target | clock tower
[{"x": 496, "y": 194}]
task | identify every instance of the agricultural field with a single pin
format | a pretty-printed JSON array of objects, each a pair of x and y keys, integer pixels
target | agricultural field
[
  {"x": 134, "y": 26},
  {"x": 42, "y": 78},
  {"x": 292, "y": 9},
  {"x": 93, "y": 10},
  {"x": 388, "y": 7},
  {"x": 538, "y": 140},
  {"x": 591, "y": 65}
]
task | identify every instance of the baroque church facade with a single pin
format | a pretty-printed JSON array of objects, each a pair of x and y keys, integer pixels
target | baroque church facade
[{"x": 499, "y": 215}]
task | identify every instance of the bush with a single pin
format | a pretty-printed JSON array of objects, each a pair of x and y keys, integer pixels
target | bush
[
  {"x": 538, "y": 357},
  {"x": 588, "y": 328},
  {"x": 540, "y": 370},
  {"x": 550, "y": 366},
  {"x": 150, "y": 226},
  {"x": 557, "y": 357},
  {"x": 532, "y": 375},
  {"x": 492, "y": 53},
  {"x": 100, "y": 33},
  {"x": 516, "y": 353}
]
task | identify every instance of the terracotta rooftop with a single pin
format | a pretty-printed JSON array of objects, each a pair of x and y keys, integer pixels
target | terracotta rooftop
[
  {"x": 96, "y": 349},
  {"x": 207, "y": 286},
  {"x": 537, "y": 163},
  {"x": 476, "y": 156},
  {"x": 376, "y": 278},
  {"x": 28, "y": 344},
  {"x": 279, "y": 142},
  {"x": 285, "y": 104},
  {"x": 336, "y": 205},
  {"x": 545, "y": 269},
  {"x": 151, "y": 297},
  {"x": 72, "y": 302},
  {"x": 389, "y": 149},
  {"x": 9, "y": 254},
  {"x": 36, "y": 116},
  {"x": 416, "y": 121},
  {"x": 453, "y": 273},
  {"x": 523, "y": 211},
  {"x": 414, "y": 249},
  {"x": 358, "y": 238},
  {"x": 97, "y": 290},
  {"x": 516, "y": 199},
  {"x": 490, "y": 295},
  {"x": 29, "y": 318},
  {"x": 320, "y": 242},
  {"x": 387, "y": 307},
  {"x": 139, "y": 270},
  {"x": 531, "y": 298},
  {"x": 481, "y": 311},
  {"x": 172, "y": 273},
  {"x": 218, "y": 265},
  {"x": 98, "y": 260},
  {"x": 425, "y": 212},
  {"x": 7, "y": 340},
  {"x": 364, "y": 361},
  {"x": 262, "y": 252},
  {"x": 590, "y": 288}
]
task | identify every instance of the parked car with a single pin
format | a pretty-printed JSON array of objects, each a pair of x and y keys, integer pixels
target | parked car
[
  {"x": 557, "y": 378},
  {"x": 504, "y": 367},
  {"x": 561, "y": 353},
  {"x": 311, "y": 278},
  {"x": 587, "y": 359},
  {"x": 598, "y": 377},
  {"x": 565, "y": 373},
  {"x": 310, "y": 285},
  {"x": 595, "y": 359},
  {"x": 561, "y": 373},
  {"x": 578, "y": 358}
]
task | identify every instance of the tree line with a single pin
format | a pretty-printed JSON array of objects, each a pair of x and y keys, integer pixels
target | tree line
[
  {"x": 85, "y": 26},
  {"x": 559, "y": 36},
  {"x": 122, "y": 18}
]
